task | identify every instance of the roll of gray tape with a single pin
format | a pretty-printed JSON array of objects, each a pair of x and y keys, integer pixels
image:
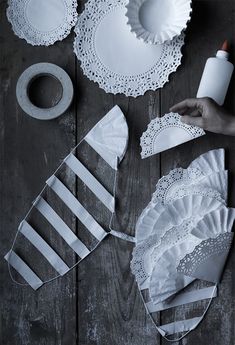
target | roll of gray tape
[{"x": 36, "y": 71}]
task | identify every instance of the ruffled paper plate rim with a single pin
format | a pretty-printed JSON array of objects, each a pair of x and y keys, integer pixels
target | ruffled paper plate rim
[{"x": 184, "y": 9}]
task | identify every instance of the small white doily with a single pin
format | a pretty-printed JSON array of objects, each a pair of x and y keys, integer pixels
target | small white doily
[
  {"x": 114, "y": 58},
  {"x": 209, "y": 247},
  {"x": 166, "y": 132},
  {"x": 146, "y": 254},
  {"x": 182, "y": 182},
  {"x": 42, "y": 22}
]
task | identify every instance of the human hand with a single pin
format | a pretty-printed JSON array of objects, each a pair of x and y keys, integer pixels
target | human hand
[{"x": 207, "y": 114}]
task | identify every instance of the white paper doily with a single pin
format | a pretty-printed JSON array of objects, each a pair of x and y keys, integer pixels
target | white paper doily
[
  {"x": 172, "y": 225},
  {"x": 181, "y": 182},
  {"x": 166, "y": 132},
  {"x": 114, "y": 58},
  {"x": 42, "y": 22}
]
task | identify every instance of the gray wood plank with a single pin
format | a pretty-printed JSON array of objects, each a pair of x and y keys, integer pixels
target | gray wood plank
[{"x": 30, "y": 150}]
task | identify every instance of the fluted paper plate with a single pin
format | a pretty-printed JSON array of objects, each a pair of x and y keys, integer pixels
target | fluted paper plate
[{"x": 156, "y": 21}]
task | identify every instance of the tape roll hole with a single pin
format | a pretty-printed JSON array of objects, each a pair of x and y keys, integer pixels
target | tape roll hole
[{"x": 45, "y": 91}]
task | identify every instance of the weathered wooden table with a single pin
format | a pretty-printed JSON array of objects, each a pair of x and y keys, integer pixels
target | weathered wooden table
[{"x": 98, "y": 302}]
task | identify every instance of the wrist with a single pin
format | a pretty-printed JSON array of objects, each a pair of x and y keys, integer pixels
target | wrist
[{"x": 228, "y": 126}]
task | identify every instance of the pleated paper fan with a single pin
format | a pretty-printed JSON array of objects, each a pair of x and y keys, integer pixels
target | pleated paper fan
[
  {"x": 210, "y": 161},
  {"x": 181, "y": 182},
  {"x": 184, "y": 234},
  {"x": 215, "y": 223},
  {"x": 165, "y": 281},
  {"x": 146, "y": 253},
  {"x": 110, "y": 137},
  {"x": 158, "y": 218}
]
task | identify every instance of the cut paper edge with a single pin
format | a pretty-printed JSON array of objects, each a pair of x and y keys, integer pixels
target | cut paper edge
[
  {"x": 210, "y": 267},
  {"x": 109, "y": 137},
  {"x": 165, "y": 133}
]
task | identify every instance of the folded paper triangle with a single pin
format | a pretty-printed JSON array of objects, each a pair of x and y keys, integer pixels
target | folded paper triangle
[
  {"x": 109, "y": 138},
  {"x": 167, "y": 132}
]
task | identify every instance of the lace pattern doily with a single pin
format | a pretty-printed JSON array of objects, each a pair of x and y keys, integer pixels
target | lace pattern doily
[
  {"x": 173, "y": 236},
  {"x": 42, "y": 22},
  {"x": 180, "y": 183},
  {"x": 85, "y": 47},
  {"x": 149, "y": 139},
  {"x": 169, "y": 184},
  {"x": 146, "y": 254},
  {"x": 203, "y": 251},
  {"x": 166, "y": 230}
]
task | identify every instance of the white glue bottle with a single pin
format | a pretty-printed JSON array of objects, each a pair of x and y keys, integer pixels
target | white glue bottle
[{"x": 216, "y": 76}]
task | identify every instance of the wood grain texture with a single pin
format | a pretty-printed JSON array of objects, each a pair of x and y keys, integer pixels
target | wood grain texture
[
  {"x": 30, "y": 151},
  {"x": 98, "y": 303}
]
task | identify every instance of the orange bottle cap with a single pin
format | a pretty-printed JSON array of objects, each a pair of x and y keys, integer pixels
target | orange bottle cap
[{"x": 225, "y": 46}]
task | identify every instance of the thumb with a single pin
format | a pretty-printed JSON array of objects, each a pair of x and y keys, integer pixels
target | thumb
[{"x": 192, "y": 121}]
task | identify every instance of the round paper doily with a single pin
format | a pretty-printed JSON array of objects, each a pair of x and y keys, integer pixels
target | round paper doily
[
  {"x": 42, "y": 22},
  {"x": 114, "y": 58}
]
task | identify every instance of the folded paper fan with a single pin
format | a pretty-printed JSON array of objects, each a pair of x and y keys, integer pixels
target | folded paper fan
[
  {"x": 202, "y": 254},
  {"x": 159, "y": 218},
  {"x": 110, "y": 137},
  {"x": 192, "y": 206},
  {"x": 208, "y": 258},
  {"x": 146, "y": 221},
  {"x": 166, "y": 132},
  {"x": 173, "y": 236},
  {"x": 211, "y": 225},
  {"x": 165, "y": 281},
  {"x": 180, "y": 235},
  {"x": 181, "y": 182},
  {"x": 215, "y": 223},
  {"x": 214, "y": 186},
  {"x": 146, "y": 253},
  {"x": 210, "y": 161}
]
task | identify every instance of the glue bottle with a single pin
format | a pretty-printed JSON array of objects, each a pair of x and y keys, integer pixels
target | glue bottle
[{"x": 216, "y": 76}]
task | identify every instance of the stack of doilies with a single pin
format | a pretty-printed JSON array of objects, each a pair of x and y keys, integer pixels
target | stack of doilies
[{"x": 184, "y": 233}]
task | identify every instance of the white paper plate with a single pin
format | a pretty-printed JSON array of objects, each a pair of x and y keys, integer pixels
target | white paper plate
[
  {"x": 157, "y": 21},
  {"x": 112, "y": 56}
]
